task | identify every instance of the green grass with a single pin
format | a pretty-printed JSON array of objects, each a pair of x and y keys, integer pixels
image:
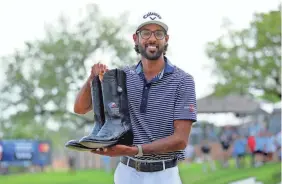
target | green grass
[
  {"x": 85, "y": 177},
  {"x": 268, "y": 174},
  {"x": 192, "y": 174}
]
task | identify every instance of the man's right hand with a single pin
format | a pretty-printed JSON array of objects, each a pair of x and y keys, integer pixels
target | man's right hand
[
  {"x": 83, "y": 102},
  {"x": 98, "y": 69}
]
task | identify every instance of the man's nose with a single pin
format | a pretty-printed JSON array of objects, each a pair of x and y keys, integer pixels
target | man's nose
[{"x": 152, "y": 38}]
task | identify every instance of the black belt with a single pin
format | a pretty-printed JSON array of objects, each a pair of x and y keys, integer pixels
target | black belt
[{"x": 144, "y": 166}]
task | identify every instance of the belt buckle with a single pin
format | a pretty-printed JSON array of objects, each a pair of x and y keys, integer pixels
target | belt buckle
[{"x": 137, "y": 165}]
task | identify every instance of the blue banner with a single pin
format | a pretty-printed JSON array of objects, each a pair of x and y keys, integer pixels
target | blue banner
[{"x": 25, "y": 153}]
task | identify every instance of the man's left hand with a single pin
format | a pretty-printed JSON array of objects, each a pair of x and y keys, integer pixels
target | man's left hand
[{"x": 117, "y": 150}]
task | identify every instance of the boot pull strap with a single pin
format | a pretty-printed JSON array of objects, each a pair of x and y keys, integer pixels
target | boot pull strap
[
  {"x": 119, "y": 82},
  {"x": 102, "y": 110}
]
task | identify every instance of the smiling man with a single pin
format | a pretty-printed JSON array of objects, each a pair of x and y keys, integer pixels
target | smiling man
[{"x": 162, "y": 108}]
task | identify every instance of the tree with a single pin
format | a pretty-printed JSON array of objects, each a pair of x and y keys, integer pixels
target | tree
[
  {"x": 248, "y": 61},
  {"x": 43, "y": 78}
]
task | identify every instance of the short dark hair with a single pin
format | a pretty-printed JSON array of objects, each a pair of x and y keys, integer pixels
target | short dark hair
[{"x": 136, "y": 48}]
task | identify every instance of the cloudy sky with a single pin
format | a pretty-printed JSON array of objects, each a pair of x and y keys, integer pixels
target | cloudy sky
[{"x": 191, "y": 25}]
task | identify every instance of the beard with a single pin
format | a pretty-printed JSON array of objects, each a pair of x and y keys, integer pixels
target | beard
[{"x": 151, "y": 55}]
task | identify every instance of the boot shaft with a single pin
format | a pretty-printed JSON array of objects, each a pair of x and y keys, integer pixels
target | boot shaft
[
  {"x": 97, "y": 101},
  {"x": 115, "y": 94}
]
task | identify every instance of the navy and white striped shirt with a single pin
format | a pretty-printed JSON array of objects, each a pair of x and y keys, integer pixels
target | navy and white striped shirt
[{"x": 156, "y": 104}]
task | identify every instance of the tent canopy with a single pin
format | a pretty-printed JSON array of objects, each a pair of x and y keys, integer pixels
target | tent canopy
[{"x": 241, "y": 105}]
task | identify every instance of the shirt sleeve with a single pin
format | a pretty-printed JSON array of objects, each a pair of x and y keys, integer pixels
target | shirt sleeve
[{"x": 185, "y": 105}]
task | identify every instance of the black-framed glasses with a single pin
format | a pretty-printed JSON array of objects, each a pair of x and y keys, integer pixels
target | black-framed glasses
[{"x": 146, "y": 34}]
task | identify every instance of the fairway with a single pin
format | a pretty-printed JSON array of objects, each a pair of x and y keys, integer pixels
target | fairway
[{"x": 268, "y": 174}]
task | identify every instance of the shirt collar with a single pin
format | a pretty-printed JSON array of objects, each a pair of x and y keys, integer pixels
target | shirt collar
[{"x": 169, "y": 68}]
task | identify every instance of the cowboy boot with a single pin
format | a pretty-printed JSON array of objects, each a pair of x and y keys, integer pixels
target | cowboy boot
[
  {"x": 117, "y": 127},
  {"x": 99, "y": 116}
]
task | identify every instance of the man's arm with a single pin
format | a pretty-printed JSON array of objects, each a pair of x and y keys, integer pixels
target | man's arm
[
  {"x": 83, "y": 102},
  {"x": 177, "y": 141}
]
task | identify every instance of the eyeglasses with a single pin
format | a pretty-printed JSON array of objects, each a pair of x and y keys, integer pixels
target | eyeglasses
[{"x": 146, "y": 34}]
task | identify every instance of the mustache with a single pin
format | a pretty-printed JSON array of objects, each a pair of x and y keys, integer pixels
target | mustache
[{"x": 152, "y": 44}]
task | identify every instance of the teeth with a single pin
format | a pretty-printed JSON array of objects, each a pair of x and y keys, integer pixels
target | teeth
[{"x": 152, "y": 47}]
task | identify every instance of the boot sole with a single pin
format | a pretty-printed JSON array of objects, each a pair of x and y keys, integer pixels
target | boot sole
[
  {"x": 125, "y": 139},
  {"x": 94, "y": 144},
  {"x": 77, "y": 147}
]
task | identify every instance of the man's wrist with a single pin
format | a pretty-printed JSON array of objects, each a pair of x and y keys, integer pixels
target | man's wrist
[
  {"x": 133, "y": 151},
  {"x": 90, "y": 78}
]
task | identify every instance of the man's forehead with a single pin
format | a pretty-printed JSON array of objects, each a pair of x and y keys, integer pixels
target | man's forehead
[{"x": 152, "y": 27}]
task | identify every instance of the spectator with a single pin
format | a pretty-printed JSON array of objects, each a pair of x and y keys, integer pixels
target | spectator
[
  {"x": 207, "y": 159},
  {"x": 252, "y": 146},
  {"x": 189, "y": 153},
  {"x": 270, "y": 148},
  {"x": 254, "y": 129},
  {"x": 71, "y": 162},
  {"x": 278, "y": 144},
  {"x": 225, "y": 141},
  {"x": 1, "y": 153},
  {"x": 1, "y": 156},
  {"x": 260, "y": 149},
  {"x": 239, "y": 150}
]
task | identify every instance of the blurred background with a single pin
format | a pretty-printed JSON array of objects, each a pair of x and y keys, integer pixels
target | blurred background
[{"x": 231, "y": 48}]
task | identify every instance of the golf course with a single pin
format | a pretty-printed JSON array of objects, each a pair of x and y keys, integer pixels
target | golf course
[{"x": 190, "y": 174}]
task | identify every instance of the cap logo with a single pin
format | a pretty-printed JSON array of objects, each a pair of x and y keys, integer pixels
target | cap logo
[{"x": 152, "y": 16}]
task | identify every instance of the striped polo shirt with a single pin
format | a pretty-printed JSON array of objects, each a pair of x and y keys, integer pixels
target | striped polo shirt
[{"x": 155, "y": 104}]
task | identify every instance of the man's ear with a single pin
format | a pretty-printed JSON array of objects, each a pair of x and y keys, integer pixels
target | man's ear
[
  {"x": 166, "y": 38},
  {"x": 135, "y": 38}
]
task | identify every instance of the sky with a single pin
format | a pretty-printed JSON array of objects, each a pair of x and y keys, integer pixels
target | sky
[{"x": 191, "y": 25}]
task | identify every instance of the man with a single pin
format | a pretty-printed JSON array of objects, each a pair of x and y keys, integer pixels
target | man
[
  {"x": 162, "y": 105},
  {"x": 225, "y": 140},
  {"x": 240, "y": 149},
  {"x": 278, "y": 144},
  {"x": 251, "y": 147},
  {"x": 206, "y": 156},
  {"x": 1, "y": 152},
  {"x": 1, "y": 156},
  {"x": 71, "y": 163},
  {"x": 189, "y": 153}
]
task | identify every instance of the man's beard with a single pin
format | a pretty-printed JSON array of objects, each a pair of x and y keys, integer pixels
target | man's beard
[{"x": 151, "y": 55}]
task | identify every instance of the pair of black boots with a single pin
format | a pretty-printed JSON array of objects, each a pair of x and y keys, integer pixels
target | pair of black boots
[{"x": 111, "y": 114}]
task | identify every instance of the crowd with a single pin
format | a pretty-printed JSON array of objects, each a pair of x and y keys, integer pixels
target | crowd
[{"x": 258, "y": 144}]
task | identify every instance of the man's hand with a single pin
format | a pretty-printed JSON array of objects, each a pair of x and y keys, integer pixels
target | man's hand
[
  {"x": 83, "y": 102},
  {"x": 117, "y": 150},
  {"x": 98, "y": 69}
]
